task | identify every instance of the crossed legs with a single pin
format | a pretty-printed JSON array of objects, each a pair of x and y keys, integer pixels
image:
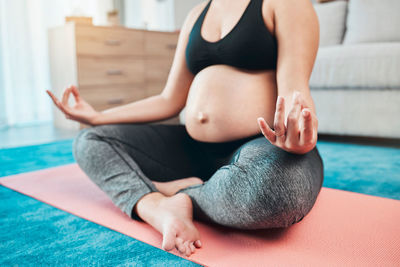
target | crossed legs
[{"x": 254, "y": 186}]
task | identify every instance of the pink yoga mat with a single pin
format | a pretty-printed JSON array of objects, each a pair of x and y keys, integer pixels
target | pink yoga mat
[{"x": 342, "y": 229}]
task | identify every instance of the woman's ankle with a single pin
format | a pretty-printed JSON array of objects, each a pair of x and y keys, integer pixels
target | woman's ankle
[{"x": 147, "y": 205}]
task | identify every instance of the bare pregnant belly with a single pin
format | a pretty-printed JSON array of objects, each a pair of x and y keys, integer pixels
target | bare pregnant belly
[{"x": 224, "y": 103}]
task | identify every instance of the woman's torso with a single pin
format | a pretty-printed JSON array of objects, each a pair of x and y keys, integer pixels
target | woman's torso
[{"x": 224, "y": 101}]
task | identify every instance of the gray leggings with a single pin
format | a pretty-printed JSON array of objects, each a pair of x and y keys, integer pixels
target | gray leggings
[{"x": 249, "y": 183}]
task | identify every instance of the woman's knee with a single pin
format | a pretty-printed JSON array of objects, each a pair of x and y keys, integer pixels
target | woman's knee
[
  {"x": 283, "y": 187},
  {"x": 92, "y": 153},
  {"x": 78, "y": 143},
  {"x": 83, "y": 142}
]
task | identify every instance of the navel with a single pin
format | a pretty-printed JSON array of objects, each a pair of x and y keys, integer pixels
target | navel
[{"x": 202, "y": 117}]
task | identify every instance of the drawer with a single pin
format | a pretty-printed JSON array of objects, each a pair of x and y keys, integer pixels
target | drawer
[
  {"x": 154, "y": 88},
  {"x": 160, "y": 44},
  {"x": 103, "y": 71},
  {"x": 112, "y": 96},
  {"x": 157, "y": 70},
  {"x": 108, "y": 41}
]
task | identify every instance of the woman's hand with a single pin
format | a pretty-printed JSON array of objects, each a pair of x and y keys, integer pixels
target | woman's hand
[
  {"x": 299, "y": 134},
  {"x": 81, "y": 111}
]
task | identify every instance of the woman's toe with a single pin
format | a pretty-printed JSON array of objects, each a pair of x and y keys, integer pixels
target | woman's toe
[
  {"x": 169, "y": 240},
  {"x": 192, "y": 248},
  {"x": 187, "y": 247},
  {"x": 197, "y": 243},
  {"x": 180, "y": 246}
]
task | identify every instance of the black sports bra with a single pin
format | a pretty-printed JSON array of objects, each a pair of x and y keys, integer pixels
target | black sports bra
[{"x": 249, "y": 45}]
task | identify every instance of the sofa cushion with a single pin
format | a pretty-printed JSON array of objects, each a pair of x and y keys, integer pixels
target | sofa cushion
[
  {"x": 357, "y": 66},
  {"x": 332, "y": 22},
  {"x": 372, "y": 21}
]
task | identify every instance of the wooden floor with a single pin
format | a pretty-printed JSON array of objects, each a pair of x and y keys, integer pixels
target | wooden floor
[{"x": 33, "y": 135}]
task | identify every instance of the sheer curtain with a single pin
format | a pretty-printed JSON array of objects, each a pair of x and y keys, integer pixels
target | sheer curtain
[{"x": 24, "y": 62}]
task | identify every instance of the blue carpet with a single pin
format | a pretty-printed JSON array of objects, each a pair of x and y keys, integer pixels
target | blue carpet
[
  {"x": 34, "y": 233},
  {"x": 371, "y": 170},
  {"x": 37, "y": 157}
]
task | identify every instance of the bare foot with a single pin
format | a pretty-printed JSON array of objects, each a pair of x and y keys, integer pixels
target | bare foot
[
  {"x": 173, "y": 217},
  {"x": 170, "y": 188}
]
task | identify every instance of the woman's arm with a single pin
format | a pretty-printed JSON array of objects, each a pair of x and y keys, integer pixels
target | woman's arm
[
  {"x": 152, "y": 108},
  {"x": 165, "y": 105},
  {"x": 297, "y": 32}
]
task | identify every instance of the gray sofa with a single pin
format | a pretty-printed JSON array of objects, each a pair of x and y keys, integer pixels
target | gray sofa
[{"x": 355, "y": 82}]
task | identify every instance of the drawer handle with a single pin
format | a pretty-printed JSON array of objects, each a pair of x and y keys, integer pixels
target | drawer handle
[
  {"x": 113, "y": 42},
  {"x": 114, "y": 72},
  {"x": 115, "y": 101},
  {"x": 171, "y": 46}
]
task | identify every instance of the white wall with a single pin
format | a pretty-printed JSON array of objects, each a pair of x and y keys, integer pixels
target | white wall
[
  {"x": 162, "y": 15},
  {"x": 149, "y": 14},
  {"x": 133, "y": 14},
  {"x": 182, "y": 8}
]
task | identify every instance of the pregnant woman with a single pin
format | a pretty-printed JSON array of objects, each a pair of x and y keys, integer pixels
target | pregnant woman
[{"x": 246, "y": 156}]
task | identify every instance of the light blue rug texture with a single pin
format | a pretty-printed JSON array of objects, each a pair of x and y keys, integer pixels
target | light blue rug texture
[{"x": 36, "y": 234}]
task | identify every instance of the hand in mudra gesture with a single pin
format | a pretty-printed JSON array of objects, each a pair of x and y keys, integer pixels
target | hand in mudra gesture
[
  {"x": 81, "y": 111},
  {"x": 299, "y": 133}
]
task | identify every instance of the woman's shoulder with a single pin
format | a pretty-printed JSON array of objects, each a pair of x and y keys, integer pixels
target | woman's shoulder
[
  {"x": 197, "y": 9},
  {"x": 193, "y": 14},
  {"x": 274, "y": 4}
]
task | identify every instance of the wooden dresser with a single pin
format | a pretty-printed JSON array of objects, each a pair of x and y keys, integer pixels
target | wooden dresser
[{"x": 110, "y": 65}]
